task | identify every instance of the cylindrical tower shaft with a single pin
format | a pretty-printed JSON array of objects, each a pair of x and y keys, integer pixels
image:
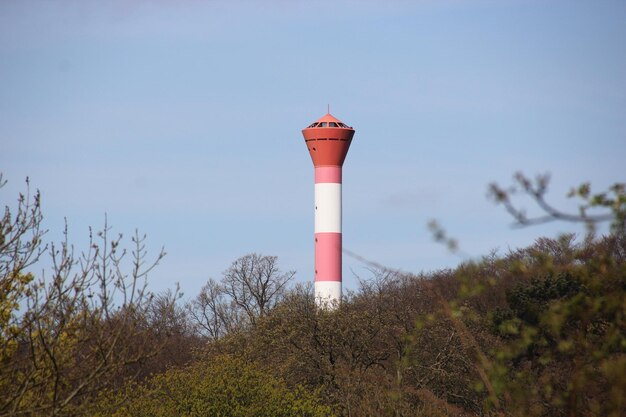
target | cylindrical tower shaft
[
  {"x": 327, "y": 234},
  {"x": 328, "y": 141}
]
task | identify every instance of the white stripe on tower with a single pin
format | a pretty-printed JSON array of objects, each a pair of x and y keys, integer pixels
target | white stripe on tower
[{"x": 328, "y": 234}]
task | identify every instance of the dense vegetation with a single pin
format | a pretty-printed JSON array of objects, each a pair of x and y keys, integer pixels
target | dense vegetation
[{"x": 538, "y": 331}]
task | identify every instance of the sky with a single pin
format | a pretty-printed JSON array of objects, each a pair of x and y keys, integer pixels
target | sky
[{"x": 183, "y": 119}]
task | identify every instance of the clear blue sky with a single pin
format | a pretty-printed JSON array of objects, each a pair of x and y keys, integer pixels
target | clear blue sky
[{"x": 183, "y": 119}]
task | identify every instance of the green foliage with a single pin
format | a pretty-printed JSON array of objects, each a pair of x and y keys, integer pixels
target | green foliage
[
  {"x": 219, "y": 386},
  {"x": 594, "y": 208},
  {"x": 527, "y": 303},
  {"x": 564, "y": 336},
  {"x": 613, "y": 199},
  {"x": 12, "y": 291}
]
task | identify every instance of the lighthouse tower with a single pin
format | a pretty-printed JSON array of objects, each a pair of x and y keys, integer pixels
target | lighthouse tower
[{"x": 328, "y": 141}]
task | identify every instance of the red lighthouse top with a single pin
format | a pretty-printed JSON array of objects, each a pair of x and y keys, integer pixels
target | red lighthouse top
[{"x": 328, "y": 140}]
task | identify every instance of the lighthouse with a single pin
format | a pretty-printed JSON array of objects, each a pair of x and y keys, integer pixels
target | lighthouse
[{"x": 328, "y": 141}]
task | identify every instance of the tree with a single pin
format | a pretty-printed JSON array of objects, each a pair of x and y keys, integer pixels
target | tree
[
  {"x": 255, "y": 284},
  {"x": 20, "y": 247},
  {"x": 172, "y": 331},
  {"x": 82, "y": 327},
  {"x": 249, "y": 288},
  {"x": 561, "y": 336},
  {"x": 564, "y": 332}
]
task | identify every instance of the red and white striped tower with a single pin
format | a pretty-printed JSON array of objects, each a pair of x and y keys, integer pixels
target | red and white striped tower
[{"x": 328, "y": 141}]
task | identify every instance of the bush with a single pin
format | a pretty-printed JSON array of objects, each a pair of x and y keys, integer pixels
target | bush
[{"x": 221, "y": 386}]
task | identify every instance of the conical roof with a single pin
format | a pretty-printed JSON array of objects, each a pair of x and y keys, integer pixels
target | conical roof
[{"x": 327, "y": 119}]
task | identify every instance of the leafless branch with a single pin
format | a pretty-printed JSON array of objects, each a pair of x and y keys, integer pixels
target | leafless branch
[{"x": 614, "y": 201}]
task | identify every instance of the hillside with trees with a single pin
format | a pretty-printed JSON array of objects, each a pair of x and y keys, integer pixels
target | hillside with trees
[{"x": 537, "y": 331}]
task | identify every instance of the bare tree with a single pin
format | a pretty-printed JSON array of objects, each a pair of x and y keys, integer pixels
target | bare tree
[
  {"x": 67, "y": 335},
  {"x": 213, "y": 312},
  {"x": 165, "y": 315},
  {"x": 255, "y": 283},
  {"x": 21, "y": 234},
  {"x": 248, "y": 290}
]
